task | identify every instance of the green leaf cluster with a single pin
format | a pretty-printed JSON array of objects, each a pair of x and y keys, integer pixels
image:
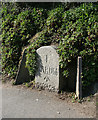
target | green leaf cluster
[
  {"x": 73, "y": 30},
  {"x": 18, "y": 26}
]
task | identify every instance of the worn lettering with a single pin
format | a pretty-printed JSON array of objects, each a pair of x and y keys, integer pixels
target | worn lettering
[{"x": 49, "y": 70}]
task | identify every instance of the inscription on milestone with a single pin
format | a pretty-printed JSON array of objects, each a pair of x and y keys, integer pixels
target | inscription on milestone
[
  {"x": 49, "y": 70},
  {"x": 48, "y": 67}
]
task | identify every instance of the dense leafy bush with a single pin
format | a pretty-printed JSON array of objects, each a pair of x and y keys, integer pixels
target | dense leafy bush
[
  {"x": 17, "y": 28},
  {"x": 73, "y": 30}
]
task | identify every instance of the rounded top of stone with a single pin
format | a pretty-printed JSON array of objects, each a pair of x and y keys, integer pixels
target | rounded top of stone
[
  {"x": 50, "y": 47},
  {"x": 79, "y": 57}
]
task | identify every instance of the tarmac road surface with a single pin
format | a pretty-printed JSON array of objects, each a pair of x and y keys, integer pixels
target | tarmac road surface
[{"x": 26, "y": 103}]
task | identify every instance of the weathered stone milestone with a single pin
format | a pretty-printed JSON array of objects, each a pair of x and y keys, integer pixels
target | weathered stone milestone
[
  {"x": 23, "y": 73},
  {"x": 48, "y": 73}
]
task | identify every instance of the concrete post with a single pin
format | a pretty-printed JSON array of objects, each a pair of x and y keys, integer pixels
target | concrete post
[{"x": 79, "y": 80}]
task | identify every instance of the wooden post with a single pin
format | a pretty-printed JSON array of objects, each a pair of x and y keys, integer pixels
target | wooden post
[{"x": 79, "y": 80}]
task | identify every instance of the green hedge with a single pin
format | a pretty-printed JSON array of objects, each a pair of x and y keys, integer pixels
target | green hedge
[
  {"x": 18, "y": 26},
  {"x": 74, "y": 30}
]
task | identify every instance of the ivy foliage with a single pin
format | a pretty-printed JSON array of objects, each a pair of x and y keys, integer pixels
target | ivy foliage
[
  {"x": 18, "y": 26},
  {"x": 74, "y": 30}
]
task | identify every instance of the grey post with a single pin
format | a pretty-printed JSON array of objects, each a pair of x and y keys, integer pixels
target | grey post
[{"x": 79, "y": 80}]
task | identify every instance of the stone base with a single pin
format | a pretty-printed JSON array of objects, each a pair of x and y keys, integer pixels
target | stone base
[{"x": 44, "y": 86}]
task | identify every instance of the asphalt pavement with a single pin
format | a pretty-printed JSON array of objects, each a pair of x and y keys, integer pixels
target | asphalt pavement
[{"x": 26, "y": 103}]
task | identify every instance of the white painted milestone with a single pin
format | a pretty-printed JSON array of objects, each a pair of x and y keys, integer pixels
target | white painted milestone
[{"x": 47, "y": 74}]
